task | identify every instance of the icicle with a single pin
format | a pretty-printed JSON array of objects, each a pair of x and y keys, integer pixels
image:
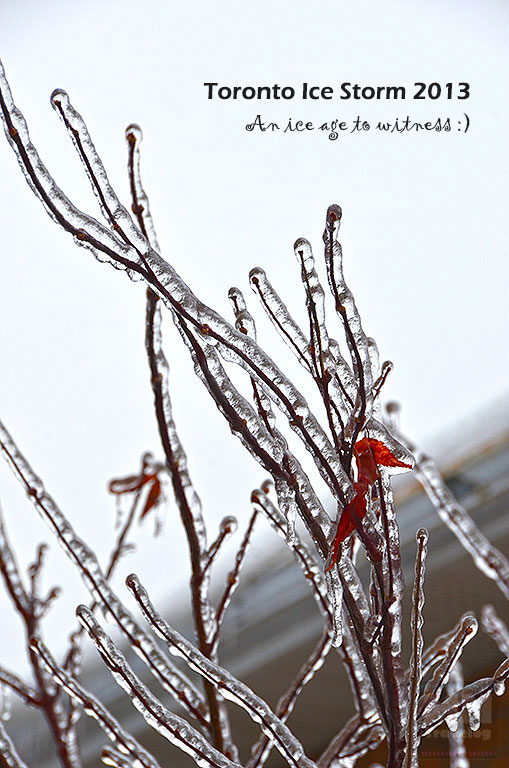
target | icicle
[
  {"x": 474, "y": 711},
  {"x": 493, "y": 625},
  {"x": 170, "y": 726},
  {"x": 412, "y": 743},
  {"x": 457, "y": 752},
  {"x": 227, "y": 684},
  {"x": 335, "y": 595},
  {"x": 85, "y": 560},
  {"x": 452, "y": 721}
]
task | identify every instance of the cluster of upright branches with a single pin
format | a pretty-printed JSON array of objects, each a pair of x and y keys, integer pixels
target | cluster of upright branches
[{"x": 355, "y": 448}]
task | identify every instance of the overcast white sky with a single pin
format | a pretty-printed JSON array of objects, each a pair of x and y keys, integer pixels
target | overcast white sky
[{"x": 424, "y": 232}]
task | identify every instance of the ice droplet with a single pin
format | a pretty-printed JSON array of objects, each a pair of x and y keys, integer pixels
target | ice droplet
[
  {"x": 452, "y": 721},
  {"x": 229, "y": 524}
]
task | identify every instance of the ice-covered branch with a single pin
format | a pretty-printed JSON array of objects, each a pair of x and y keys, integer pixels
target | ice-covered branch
[
  {"x": 263, "y": 747},
  {"x": 486, "y": 557},
  {"x": 412, "y": 742},
  {"x": 187, "y": 499},
  {"x": 493, "y": 625},
  {"x": 230, "y": 687},
  {"x": 170, "y": 726},
  {"x": 27, "y": 694},
  {"x": 9, "y": 757},
  {"x": 31, "y": 609},
  {"x": 451, "y": 653},
  {"x": 11, "y": 574},
  {"x": 73, "y": 657},
  {"x": 85, "y": 560},
  {"x": 280, "y": 317},
  {"x": 128, "y": 248},
  {"x": 309, "y": 564},
  {"x": 355, "y": 336},
  {"x": 294, "y": 491},
  {"x": 233, "y": 578},
  {"x": 93, "y": 708},
  {"x": 354, "y": 740},
  {"x": 471, "y": 698}
]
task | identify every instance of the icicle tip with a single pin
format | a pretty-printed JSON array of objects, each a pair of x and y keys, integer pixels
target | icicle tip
[
  {"x": 133, "y": 133},
  {"x": 332, "y": 221},
  {"x": 59, "y": 98},
  {"x": 229, "y": 524}
]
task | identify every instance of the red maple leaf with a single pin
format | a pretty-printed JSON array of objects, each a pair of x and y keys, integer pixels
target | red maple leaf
[{"x": 369, "y": 455}]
